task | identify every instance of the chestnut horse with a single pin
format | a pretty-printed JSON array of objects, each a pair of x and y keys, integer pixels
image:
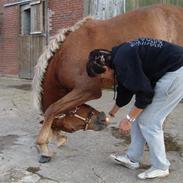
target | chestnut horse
[{"x": 61, "y": 82}]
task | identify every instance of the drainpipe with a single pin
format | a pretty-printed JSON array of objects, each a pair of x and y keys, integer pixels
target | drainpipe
[
  {"x": 46, "y": 21},
  {"x": 86, "y": 7},
  {"x": 124, "y": 6}
]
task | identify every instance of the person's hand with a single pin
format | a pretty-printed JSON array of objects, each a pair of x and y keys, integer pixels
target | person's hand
[{"x": 124, "y": 126}]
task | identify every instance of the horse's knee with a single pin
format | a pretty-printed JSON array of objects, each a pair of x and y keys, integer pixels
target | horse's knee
[
  {"x": 96, "y": 94},
  {"x": 44, "y": 135}
]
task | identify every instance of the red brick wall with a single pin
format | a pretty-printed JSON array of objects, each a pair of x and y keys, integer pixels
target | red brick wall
[
  {"x": 1, "y": 37},
  {"x": 63, "y": 13},
  {"x": 8, "y": 39}
]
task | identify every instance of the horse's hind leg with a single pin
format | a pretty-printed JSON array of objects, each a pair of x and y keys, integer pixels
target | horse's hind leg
[{"x": 60, "y": 139}]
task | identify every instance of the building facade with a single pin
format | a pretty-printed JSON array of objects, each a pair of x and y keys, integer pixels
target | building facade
[{"x": 25, "y": 27}]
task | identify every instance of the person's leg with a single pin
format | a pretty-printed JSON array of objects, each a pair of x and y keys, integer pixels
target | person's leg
[
  {"x": 136, "y": 147},
  {"x": 133, "y": 156},
  {"x": 168, "y": 93},
  {"x": 135, "y": 151}
]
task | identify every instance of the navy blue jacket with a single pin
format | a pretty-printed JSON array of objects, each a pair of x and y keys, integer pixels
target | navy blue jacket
[{"x": 139, "y": 64}]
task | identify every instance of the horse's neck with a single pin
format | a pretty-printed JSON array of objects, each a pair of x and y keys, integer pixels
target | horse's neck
[{"x": 52, "y": 91}]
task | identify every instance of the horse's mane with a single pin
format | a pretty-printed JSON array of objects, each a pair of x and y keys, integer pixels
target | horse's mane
[{"x": 40, "y": 68}]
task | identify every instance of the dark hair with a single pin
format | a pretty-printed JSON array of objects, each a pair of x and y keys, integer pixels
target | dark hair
[{"x": 97, "y": 59}]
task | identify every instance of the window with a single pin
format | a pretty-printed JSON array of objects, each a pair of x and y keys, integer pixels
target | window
[
  {"x": 37, "y": 17},
  {"x": 25, "y": 20},
  {"x": 32, "y": 18}
]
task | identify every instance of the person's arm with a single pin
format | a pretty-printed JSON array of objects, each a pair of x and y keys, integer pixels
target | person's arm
[
  {"x": 123, "y": 97},
  {"x": 134, "y": 113},
  {"x": 126, "y": 123},
  {"x": 114, "y": 110}
]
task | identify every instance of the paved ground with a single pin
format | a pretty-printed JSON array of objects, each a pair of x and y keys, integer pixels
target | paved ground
[{"x": 84, "y": 159}]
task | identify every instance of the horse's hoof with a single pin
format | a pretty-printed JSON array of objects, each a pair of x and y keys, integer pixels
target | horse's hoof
[{"x": 44, "y": 159}]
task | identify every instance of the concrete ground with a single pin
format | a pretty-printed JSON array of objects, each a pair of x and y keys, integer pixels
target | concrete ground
[{"x": 85, "y": 158}]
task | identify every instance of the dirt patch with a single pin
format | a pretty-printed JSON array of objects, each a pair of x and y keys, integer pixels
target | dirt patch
[
  {"x": 7, "y": 141},
  {"x": 26, "y": 87},
  {"x": 115, "y": 133},
  {"x": 170, "y": 142},
  {"x": 33, "y": 169}
]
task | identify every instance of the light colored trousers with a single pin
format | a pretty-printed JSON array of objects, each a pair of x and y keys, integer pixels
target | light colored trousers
[{"x": 148, "y": 127}]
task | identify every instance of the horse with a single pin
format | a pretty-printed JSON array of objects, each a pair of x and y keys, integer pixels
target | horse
[{"x": 61, "y": 83}]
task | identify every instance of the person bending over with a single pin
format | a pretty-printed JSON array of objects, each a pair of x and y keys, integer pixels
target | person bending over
[{"x": 152, "y": 71}]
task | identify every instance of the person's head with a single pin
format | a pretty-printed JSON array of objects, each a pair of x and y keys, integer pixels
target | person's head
[{"x": 100, "y": 63}]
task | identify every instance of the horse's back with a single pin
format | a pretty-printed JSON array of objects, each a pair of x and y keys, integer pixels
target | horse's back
[{"x": 157, "y": 21}]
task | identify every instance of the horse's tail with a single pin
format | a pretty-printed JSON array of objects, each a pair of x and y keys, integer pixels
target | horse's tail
[{"x": 43, "y": 61}]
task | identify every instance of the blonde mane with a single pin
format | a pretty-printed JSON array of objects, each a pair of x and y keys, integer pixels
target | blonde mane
[{"x": 40, "y": 68}]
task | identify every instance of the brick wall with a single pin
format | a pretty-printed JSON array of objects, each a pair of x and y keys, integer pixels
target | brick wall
[
  {"x": 1, "y": 36},
  {"x": 8, "y": 39},
  {"x": 61, "y": 13}
]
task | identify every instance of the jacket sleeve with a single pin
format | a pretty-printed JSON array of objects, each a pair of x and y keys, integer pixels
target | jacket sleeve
[{"x": 123, "y": 96}]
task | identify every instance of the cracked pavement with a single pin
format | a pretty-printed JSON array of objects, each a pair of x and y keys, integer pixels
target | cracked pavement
[{"x": 85, "y": 157}]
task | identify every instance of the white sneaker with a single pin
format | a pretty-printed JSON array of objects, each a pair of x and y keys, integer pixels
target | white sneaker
[
  {"x": 125, "y": 161},
  {"x": 153, "y": 173}
]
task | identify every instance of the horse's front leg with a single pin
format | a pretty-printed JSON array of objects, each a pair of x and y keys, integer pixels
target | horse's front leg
[
  {"x": 42, "y": 143},
  {"x": 46, "y": 154},
  {"x": 74, "y": 98}
]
